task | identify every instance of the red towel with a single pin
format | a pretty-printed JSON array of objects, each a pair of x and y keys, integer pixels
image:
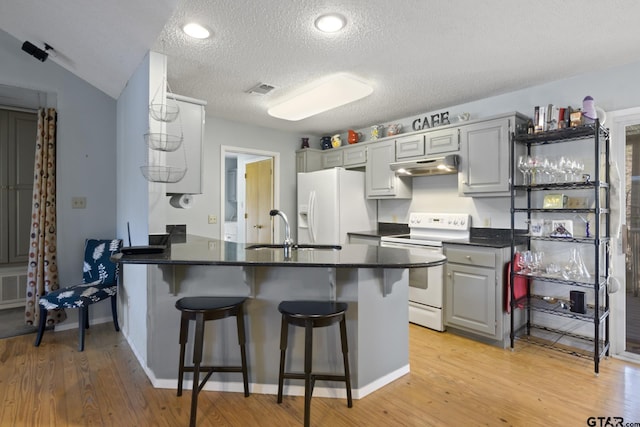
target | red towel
[{"x": 520, "y": 287}]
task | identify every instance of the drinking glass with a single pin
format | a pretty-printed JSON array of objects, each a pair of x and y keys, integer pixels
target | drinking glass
[{"x": 524, "y": 167}]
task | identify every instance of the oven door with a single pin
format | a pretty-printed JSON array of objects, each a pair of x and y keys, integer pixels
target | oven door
[{"x": 425, "y": 284}]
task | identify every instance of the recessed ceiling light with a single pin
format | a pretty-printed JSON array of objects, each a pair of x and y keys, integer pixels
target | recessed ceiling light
[
  {"x": 327, "y": 95},
  {"x": 196, "y": 31},
  {"x": 330, "y": 23}
]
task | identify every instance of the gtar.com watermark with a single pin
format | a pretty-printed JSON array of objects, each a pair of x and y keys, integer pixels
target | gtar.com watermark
[{"x": 610, "y": 422}]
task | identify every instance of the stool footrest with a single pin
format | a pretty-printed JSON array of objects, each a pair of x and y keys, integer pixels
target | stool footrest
[
  {"x": 322, "y": 377},
  {"x": 204, "y": 369}
]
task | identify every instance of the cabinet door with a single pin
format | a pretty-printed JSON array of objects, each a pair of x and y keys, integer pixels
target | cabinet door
[
  {"x": 308, "y": 160},
  {"x": 471, "y": 298},
  {"x": 354, "y": 156},
  {"x": 410, "y": 146},
  {"x": 484, "y": 168},
  {"x": 442, "y": 141},
  {"x": 331, "y": 159},
  {"x": 381, "y": 180},
  {"x": 191, "y": 123}
]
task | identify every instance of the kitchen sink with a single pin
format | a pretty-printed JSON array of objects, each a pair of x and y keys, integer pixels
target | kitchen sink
[{"x": 300, "y": 247}]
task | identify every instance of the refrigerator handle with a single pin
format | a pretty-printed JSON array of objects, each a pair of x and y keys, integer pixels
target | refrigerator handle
[{"x": 312, "y": 216}]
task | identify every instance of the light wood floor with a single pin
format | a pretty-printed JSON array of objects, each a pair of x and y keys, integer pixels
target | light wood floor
[{"x": 453, "y": 381}]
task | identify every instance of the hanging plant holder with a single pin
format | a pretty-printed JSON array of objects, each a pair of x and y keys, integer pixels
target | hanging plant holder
[
  {"x": 166, "y": 174},
  {"x": 161, "y": 141}
]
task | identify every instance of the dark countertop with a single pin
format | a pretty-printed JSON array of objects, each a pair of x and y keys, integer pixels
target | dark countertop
[
  {"x": 197, "y": 250},
  {"x": 384, "y": 229},
  {"x": 490, "y": 238}
]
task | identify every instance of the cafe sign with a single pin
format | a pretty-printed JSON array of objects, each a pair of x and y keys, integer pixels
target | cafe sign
[{"x": 432, "y": 121}]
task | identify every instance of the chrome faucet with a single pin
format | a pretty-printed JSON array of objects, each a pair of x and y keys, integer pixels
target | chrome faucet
[{"x": 288, "y": 243}]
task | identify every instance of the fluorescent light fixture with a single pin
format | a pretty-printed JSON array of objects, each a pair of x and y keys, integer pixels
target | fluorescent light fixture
[
  {"x": 329, "y": 94},
  {"x": 330, "y": 23},
  {"x": 196, "y": 31}
]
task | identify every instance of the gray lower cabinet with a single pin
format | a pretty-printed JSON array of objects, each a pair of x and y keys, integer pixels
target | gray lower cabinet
[
  {"x": 381, "y": 181},
  {"x": 474, "y": 292},
  {"x": 484, "y": 156}
]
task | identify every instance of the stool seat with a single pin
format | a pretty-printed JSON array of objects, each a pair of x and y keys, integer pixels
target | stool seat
[
  {"x": 310, "y": 315},
  {"x": 208, "y": 303},
  {"x": 202, "y": 309}
]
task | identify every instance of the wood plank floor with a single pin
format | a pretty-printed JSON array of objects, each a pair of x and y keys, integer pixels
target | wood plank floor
[{"x": 453, "y": 381}]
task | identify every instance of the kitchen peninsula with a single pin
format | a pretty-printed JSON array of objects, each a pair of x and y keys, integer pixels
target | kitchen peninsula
[{"x": 372, "y": 280}]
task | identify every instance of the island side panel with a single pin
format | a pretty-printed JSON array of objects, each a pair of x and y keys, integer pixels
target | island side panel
[{"x": 375, "y": 324}]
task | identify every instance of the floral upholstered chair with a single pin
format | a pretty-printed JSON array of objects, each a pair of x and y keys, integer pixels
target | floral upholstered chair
[{"x": 99, "y": 282}]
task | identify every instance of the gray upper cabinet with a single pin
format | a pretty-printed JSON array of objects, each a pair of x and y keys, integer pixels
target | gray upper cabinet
[
  {"x": 442, "y": 141},
  {"x": 410, "y": 146},
  {"x": 484, "y": 157},
  {"x": 308, "y": 160},
  {"x": 354, "y": 156},
  {"x": 381, "y": 181},
  {"x": 191, "y": 123},
  {"x": 331, "y": 158}
]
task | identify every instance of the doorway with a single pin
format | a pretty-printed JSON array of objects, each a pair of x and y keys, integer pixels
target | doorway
[
  {"x": 625, "y": 171},
  {"x": 245, "y": 203},
  {"x": 632, "y": 213}
]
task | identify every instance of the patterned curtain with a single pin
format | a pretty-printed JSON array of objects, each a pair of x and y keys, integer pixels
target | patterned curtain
[{"x": 42, "y": 272}]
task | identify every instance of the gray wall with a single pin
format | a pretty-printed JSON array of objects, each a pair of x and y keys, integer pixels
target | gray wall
[{"x": 86, "y": 153}]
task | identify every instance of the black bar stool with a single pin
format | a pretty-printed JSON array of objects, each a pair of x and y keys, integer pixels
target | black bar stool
[
  {"x": 309, "y": 315},
  {"x": 202, "y": 309}
]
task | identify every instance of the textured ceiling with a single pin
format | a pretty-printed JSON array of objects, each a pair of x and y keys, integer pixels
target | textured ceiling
[{"x": 419, "y": 55}]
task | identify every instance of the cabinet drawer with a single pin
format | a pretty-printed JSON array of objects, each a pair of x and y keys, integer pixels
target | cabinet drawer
[
  {"x": 332, "y": 159},
  {"x": 354, "y": 156},
  {"x": 410, "y": 146},
  {"x": 470, "y": 256}
]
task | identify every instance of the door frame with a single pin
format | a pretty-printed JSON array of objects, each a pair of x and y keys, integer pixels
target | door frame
[
  {"x": 619, "y": 120},
  {"x": 230, "y": 149}
]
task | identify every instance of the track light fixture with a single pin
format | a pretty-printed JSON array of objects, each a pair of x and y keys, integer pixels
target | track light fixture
[{"x": 35, "y": 51}]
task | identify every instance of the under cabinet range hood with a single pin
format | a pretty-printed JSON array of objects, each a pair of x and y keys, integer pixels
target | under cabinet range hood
[{"x": 428, "y": 166}]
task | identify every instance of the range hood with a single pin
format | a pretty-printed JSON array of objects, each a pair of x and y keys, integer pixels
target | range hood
[{"x": 428, "y": 166}]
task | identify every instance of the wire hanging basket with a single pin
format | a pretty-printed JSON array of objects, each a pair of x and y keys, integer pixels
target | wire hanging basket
[
  {"x": 166, "y": 174},
  {"x": 164, "y": 106},
  {"x": 161, "y": 141}
]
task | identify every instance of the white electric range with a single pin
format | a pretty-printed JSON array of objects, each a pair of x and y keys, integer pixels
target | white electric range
[{"x": 427, "y": 231}]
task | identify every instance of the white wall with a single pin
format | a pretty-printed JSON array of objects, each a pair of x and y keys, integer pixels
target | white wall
[{"x": 86, "y": 155}]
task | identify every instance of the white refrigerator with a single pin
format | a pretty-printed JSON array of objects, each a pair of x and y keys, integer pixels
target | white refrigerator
[{"x": 331, "y": 203}]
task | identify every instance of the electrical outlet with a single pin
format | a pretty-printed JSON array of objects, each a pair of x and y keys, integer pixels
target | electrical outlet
[
  {"x": 212, "y": 245},
  {"x": 78, "y": 202},
  {"x": 486, "y": 222},
  {"x": 213, "y": 219}
]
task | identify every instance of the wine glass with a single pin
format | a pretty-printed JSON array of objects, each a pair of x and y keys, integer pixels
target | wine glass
[{"x": 525, "y": 168}]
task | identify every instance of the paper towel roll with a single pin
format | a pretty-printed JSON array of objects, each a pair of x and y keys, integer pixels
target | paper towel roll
[{"x": 181, "y": 201}]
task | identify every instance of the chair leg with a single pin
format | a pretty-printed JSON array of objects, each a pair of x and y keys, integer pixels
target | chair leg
[
  {"x": 82, "y": 324},
  {"x": 308, "y": 380},
  {"x": 42, "y": 323},
  {"x": 114, "y": 312},
  {"x": 284, "y": 333},
  {"x": 197, "y": 359},
  {"x": 184, "y": 333},
  {"x": 86, "y": 317},
  {"x": 243, "y": 353},
  {"x": 345, "y": 357}
]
